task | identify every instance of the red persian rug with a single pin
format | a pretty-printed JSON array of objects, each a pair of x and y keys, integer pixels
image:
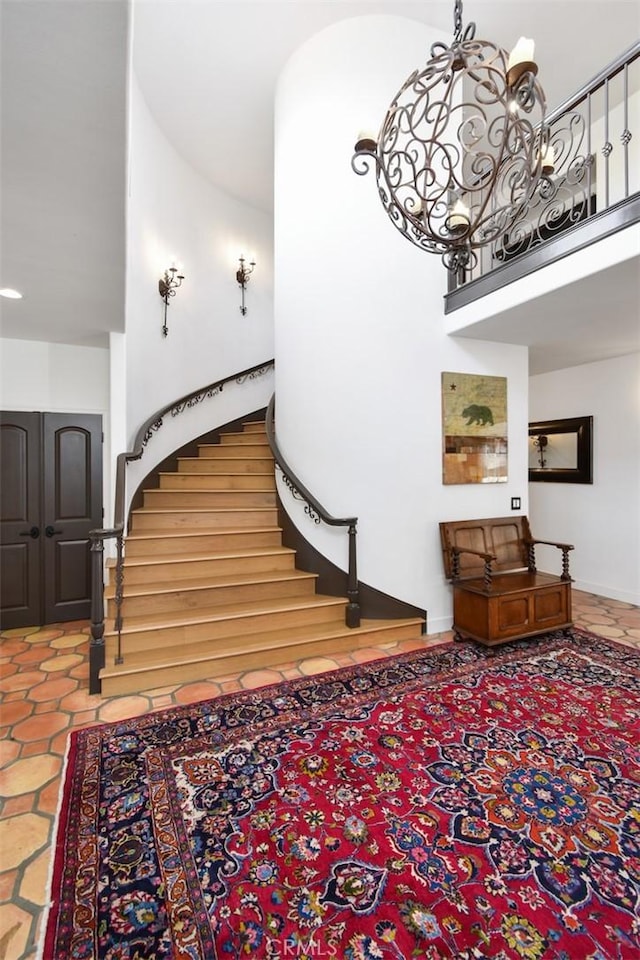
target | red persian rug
[{"x": 457, "y": 802}]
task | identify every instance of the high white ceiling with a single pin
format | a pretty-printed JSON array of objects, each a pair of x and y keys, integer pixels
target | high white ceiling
[
  {"x": 63, "y": 168},
  {"x": 208, "y": 70}
]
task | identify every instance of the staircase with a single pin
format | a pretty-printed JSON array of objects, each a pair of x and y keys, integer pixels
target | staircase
[{"x": 209, "y": 589}]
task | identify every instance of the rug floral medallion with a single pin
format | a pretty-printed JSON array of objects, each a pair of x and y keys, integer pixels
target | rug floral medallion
[{"x": 455, "y": 802}]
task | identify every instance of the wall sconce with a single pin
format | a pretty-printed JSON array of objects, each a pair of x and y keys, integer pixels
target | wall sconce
[
  {"x": 541, "y": 441},
  {"x": 167, "y": 286},
  {"x": 242, "y": 276}
]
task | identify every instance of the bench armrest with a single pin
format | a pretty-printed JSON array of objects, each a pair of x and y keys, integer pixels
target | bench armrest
[
  {"x": 565, "y": 547},
  {"x": 552, "y": 543},
  {"x": 477, "y": 553},
  {"x": 487, "y": 557}
]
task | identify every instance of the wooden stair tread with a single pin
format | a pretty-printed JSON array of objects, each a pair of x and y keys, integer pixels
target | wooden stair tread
[
  {"x": 234, "y": 457},
  {"x": 238, "y": 554},
  {"x": 203, "y": 583},
  {"x": 184, "y": 489},
  {"x": 224, "y": 612},
  {"x": 276, "y": 640},
  {"x": 165, "y": 510},
  {"x": 219, "y": 531},
  {"x": 256, "y": 441},
  {"x": 203, "y": 473}
]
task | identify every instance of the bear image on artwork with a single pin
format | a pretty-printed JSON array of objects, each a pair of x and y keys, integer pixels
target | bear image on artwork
[
  {"x": 478, "y": 414},
  {"x": 474, "y": 428}
]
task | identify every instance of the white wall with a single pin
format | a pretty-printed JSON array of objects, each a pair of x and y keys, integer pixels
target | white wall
[
  {"x": 172, "y": 211},
  {"x": 57, "y": 378},
  {"x": 359, "y": 327},
  {"x": 601, "y": 519}
]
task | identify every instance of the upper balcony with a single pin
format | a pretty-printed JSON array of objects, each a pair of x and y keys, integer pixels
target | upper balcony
[{"x": 567, "y": 273}]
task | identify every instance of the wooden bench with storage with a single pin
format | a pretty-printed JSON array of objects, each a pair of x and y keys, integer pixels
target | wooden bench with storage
[{"x": 498, "y": 595}]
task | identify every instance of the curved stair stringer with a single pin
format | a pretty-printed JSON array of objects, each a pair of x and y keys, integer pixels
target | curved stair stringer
[
  {"x": 332, "y": 579},
  {"x": 211, "y": 588}
]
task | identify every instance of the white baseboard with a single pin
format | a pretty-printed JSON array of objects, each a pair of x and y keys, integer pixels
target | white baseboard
[
  {"x": 438, "y": 624},
  {"x": 604, "y": 590}
]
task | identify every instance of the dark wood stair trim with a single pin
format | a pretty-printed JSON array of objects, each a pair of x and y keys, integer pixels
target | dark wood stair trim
[{"x": 374, "y": 604}]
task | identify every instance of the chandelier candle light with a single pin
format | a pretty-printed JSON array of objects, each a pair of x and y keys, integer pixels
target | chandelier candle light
[{"x": 462, "y": 148}]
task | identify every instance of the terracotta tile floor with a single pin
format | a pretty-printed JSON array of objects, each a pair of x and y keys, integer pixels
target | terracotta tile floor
[{"x": 44, "y": 695}]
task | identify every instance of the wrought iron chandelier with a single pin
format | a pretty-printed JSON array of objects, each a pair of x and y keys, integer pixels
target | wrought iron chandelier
[{"x": 462, "y": 148}]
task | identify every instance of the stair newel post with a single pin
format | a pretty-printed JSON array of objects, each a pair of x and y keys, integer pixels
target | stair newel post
[
  {"x": 96, "y": 647},
  {"x": 352, "y": 618},
  {"x": 118, "y": 594}
]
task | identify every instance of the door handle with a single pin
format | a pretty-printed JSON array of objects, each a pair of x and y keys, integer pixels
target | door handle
[
  {"x": 34, "y": 533},
  {"x": 49, "y": 531}
]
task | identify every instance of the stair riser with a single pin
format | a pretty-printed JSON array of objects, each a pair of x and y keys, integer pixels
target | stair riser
[
  {"x": 236, "y": 450},
  {"x": 201, "y": 543},
  {"x": 217, "y": 481},
  {"x": 234, "y": 662},
  {"x": 208, "y": 520},
  {"x": 207, "y": 499},
  {"x": 183, "y": 601},
  {"x": 242, "y": 438},
  {"x": 257, "y": 427},
  {"x": 155, "y": 572},
  {"x": 225, "y": 465},
  {"x": 164, "y": 638}
]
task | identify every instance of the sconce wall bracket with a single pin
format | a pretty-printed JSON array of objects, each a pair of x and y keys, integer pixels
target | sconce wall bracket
[
  {"x": 167, "y": 286},
  {"x": 242, "y": 277}
]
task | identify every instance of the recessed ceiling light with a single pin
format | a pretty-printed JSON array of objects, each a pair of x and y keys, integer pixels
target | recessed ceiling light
[{"x": 10, "y": 294}]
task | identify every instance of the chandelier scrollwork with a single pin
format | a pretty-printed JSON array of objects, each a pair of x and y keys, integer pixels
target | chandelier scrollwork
[{"x": 462, "y": 148}]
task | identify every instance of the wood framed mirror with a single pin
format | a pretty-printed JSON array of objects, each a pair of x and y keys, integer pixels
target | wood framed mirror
[{"x": 561, "y": 451}]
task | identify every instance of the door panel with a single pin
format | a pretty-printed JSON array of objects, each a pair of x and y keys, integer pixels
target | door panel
[
  {"x": 20, "y": 540},
  {"x": 50, "y": 498},
  {"x": 72, "y": 506},
  {"x": 73, "y": 570}
]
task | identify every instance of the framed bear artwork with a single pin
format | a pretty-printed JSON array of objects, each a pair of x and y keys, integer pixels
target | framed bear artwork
[{"x": 474, "y": 428}]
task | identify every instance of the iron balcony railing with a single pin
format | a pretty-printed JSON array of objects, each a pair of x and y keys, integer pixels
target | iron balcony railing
[{"x": 596, "y": 172}]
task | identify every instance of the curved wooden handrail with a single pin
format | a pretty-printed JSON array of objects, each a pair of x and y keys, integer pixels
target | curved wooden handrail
[
  {"x": 97, "y": 537},
  {"x": 318, "y": 512}
]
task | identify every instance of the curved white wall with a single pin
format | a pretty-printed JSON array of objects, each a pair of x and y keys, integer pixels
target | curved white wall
[
  {"x": 172, "y": 210},
  {"x": 359, "y": 327}
]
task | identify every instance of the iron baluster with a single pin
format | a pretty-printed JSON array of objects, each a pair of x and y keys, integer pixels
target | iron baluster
[
  {"x": 119, "y": 593},
  {"x": 589, "y": 148},
  {"x": 96, "y": 650},
  {"x": 625, "y": 136},
  {"x": 608, "y": 146}
]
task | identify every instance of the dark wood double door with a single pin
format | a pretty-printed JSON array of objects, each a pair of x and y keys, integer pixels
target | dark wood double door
[{"x": 50, "y": 498}]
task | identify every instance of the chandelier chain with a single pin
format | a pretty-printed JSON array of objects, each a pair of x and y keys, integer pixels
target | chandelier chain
[{"x": 457, "y": 21}]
